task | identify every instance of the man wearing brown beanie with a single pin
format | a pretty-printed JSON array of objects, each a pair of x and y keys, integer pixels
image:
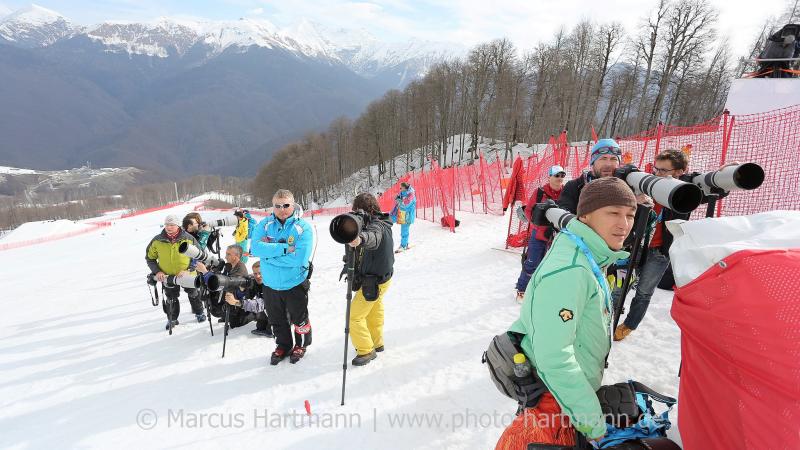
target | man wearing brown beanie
[{"x": 567, "y": 310}]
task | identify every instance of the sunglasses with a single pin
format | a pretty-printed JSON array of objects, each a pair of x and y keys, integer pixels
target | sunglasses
[
  {"x": 608, "y": 151},
  {"x": 283, "y": 206},
  {"x": 559, "y": 175}
]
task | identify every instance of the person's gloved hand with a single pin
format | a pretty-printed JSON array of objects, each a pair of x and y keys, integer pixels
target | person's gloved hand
[{"x": 625, "y": 170}]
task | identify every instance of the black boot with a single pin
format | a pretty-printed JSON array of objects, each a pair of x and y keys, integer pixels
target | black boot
[
  {"x": 297, "y": 353},
  {"x": 362, "y": 360},
  {"x": 277, "y": 356}
]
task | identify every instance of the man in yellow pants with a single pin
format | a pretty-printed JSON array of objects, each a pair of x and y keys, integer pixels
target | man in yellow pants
[{"x": 373, "y": 274}]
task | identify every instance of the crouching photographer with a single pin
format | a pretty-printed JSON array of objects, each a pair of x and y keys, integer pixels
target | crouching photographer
[
  {"x": 253, "y": 302},
  {"x": 368, "y": 232},
  {"x": 228, "y": 283}
]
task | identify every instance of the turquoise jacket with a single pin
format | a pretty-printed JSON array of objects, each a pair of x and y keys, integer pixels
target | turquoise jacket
[
  {"x": 566, "y": 317},
  {"x": 271, "y": 241}
]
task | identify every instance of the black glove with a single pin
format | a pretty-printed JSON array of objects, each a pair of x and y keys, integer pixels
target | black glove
[{"x": 623, "y": 172}]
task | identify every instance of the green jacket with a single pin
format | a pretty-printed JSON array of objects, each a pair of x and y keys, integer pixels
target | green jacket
[
  {"x": 162, "y": 255},
  {"x": 566, "y": 323}
]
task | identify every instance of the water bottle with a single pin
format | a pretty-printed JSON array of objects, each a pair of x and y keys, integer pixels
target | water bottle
[{"x": 521, "y": 367}]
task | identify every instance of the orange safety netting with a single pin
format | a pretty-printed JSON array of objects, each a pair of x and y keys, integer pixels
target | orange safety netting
[{"x": 770, "y": 139}]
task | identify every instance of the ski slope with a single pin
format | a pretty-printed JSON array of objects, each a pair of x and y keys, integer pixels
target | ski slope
[{"x": 85, "y": 361}]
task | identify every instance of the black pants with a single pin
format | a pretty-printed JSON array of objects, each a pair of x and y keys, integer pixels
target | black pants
[
  {"x": 239, "y": 317},
  {"x": 262, "y": 321},
  {"x": 287, "y": 308},
  {"x": 171, "y": 296}
]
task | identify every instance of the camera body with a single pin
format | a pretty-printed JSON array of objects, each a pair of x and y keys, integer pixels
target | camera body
[{"x": 548, "y": 213}]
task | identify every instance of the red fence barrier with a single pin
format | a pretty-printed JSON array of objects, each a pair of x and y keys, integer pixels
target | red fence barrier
[
  {"x": 55, "y": 237},
  {"x": 770, "y": 139},
  {"x": 440, "y": 192}
]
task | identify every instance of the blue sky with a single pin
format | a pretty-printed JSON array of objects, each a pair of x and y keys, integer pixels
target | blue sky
[{"x": 467, "y": 22}]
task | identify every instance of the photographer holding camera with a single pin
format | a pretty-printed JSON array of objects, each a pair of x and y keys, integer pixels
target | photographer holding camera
[
  {"x": 604, "y": 160},
  {"x": 540, "y": 236},
  {"x": 194, "y": 225},
  {"x": 374, "y": 266},
  {"x": 163, "y": 259},
  {"x": 566, "y": 316},
  {"x": 253, "y": 302},
  {"x": 284, "y": 242},
  {"x": 234, "y": 268},
  {"x": 256, "y": 294}
]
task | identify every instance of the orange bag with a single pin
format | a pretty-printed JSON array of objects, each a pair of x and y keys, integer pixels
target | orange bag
[{"x": 542, "y": 424}]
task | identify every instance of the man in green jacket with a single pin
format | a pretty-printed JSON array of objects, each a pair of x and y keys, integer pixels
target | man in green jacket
[
  {"x": 163, "y": 259},
  {"x": 567, "y": 310}
]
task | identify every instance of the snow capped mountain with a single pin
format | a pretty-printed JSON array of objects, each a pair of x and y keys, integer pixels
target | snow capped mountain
[
  {"x": 163, "y": 38},
  {"x": 368, "y": 56},
  {"x": 359, "y": 50},
  {"x": 36, "y": 26}
]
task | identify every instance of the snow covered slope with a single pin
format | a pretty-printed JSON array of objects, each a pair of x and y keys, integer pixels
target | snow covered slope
[
  {"x": 36, "y": 26},
  {"x": 84, "y": 355}
]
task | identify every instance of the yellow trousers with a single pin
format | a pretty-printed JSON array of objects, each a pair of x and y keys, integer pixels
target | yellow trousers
[{"x": 366, "y": 321}]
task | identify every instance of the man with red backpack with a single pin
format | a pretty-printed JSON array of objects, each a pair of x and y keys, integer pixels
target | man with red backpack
[{"x": 537, "y": 244}]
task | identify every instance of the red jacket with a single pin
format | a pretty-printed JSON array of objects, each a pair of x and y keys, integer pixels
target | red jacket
[{"x": 541, "y": 194}]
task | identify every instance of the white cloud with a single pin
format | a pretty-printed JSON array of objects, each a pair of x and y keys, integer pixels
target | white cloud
[
  {"x": 256, "y": 12},
  {"x": 4, "y": 10},
  {"x": 526, "y": 23}
]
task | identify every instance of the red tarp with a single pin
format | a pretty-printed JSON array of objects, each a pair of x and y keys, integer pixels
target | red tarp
[{"x": 740, "y": 344}]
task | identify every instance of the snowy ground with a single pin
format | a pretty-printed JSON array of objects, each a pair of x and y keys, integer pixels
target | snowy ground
[
  {"x": 85, "y": 361},
  {"x": 35, "y": 230}
]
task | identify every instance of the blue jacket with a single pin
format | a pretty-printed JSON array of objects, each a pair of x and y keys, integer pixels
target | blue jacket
[
  {"x": 270, "y": 241},
  {"x": 407, "y": 202}
]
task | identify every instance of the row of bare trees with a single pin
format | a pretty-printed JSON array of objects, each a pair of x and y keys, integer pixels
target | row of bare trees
[{"x": 673, "y": 69}]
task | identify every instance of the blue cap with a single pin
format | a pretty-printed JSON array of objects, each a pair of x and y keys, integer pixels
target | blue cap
[
  {"x": 605, "y": 147},
  {"x": 555, "y": 170}
]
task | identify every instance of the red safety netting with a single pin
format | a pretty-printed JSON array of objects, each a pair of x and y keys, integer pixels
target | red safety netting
[
  {"x": 771, "y": 139},
  {"x": 441, "y": 192},
  {"x": 740, "y": 375}
]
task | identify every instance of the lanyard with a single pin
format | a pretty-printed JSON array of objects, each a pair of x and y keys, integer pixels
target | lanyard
[{"x": 595, "y": 268}]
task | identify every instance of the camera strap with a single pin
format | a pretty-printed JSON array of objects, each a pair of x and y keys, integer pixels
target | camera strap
[
  {"x": 153, "y": 300},
  {"x": 596, "y": 270}
]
